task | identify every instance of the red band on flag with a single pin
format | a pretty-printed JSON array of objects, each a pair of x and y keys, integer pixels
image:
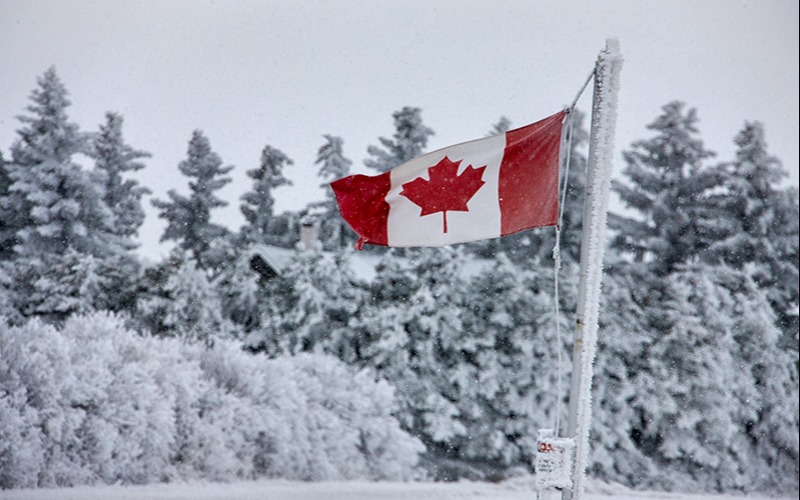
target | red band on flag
[
  {"x": 362, "y": 203},
  {"x": 528, "y": 190}
]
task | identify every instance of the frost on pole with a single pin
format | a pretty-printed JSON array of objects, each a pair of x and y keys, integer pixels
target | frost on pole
[{"x": 601, "y": 149}]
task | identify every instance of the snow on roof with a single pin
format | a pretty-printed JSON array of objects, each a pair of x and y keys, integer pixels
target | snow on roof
[
  {"x": 363, "y": 264},
  {"x": 276, "y": 257}
]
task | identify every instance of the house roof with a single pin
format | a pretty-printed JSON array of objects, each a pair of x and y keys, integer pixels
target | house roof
[{"x": 363, "y": 264}]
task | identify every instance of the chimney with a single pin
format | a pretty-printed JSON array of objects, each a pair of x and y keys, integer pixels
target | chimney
[{"x": 308, "y": 235}]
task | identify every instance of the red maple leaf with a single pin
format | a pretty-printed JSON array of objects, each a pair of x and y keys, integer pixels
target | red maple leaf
[{"x": 446, "y": 190}]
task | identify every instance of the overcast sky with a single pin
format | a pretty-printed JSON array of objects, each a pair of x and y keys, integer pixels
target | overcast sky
[{"x": 252, "y": 73}]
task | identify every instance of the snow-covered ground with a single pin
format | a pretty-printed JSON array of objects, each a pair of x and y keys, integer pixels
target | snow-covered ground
[{"x": 517, "y": 489}]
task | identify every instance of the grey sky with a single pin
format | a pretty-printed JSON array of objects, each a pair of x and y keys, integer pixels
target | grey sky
[{"x": 251, "y": 73}]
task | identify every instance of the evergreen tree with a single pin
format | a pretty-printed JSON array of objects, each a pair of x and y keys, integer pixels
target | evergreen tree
[
  {"x": 54, "y": 287},
  {"x": 63, "y": 229},
  {"x": 8, "y": 225},
  {"x": 419, "y": 347},
  {"x": 381, "y": 324},
  {"x": 242, "y": 293},
  {"x": 783, "y": 296},
  {"x": 764, "y": 385},
  {"x": 668, "y": 189},
  {"x": 409, "y": 141},
  {"x": 334, "y": 232},
  {"x": 62, "y": 204},
  {"x": 759, "y": 222},
  {"x": 332, "y": 162},
  {"x": 692, "y": 385},
  {"x": 258, "y": 205},
  {"x": 113, "y": 161},
  {"x": 123, "y": 196},
  {"x": 318, "y": 297},
  {"x": 691, "y": 359},
  {"x": 189, "y": 218},
  {"x": 512, "y": 353},
  {"x": 187, "y": 307},
  {"x": 502, "y": 126},
  {"x": 621, "y": 388}
]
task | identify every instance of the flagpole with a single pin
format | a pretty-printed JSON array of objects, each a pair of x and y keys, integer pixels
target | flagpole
[{"x": 595, "y": 208}]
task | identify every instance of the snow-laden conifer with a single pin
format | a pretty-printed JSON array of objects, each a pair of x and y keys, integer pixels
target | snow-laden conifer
[
  {"x": 189, "y": 218},
  {"x": 315, "y": 306},
  {"x": 61, "y": 220},
  {"x": 408, "y": 141},
  {"x": 114, "y": 159},
  {"x": 258, "y": 205},
  {"x": 334, "y": 232},
  {"x": 667, "y": 182},
  {"x": 758, "y": 221},
  {"x": 187, "y": 307},
  {"x": 62, "y": 203}
]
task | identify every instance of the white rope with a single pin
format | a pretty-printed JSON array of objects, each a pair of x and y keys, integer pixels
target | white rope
[
  {"x": 557, "y": 312},
  {"x": 566, "y": 149}
]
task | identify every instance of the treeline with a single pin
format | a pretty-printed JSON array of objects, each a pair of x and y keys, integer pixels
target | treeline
[{"x": 696, "y": 379}]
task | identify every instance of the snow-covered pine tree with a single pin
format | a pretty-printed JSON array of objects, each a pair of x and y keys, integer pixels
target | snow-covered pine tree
[
  {"x": 511, "y": 349},
  {"x": 76, "y": 283},
  {"x": 8, "y": 215},
  {"x": 317, "y": 300},
  {"x": 691, "y": 361},
  {"x": 7, "y": 242},
  {"x": 784, "y": 295},
  {"x": 502, "y": 126},
  {"x": 114, "y": 159},
  {"x": 668, "y": 183},
  {"x": 61, "y": 211},
  {"x": 332, "y": 162},
  {"x": 189, "y": 218},
  {"x": 187, "y": 307},
  {"x": 258, "y": 205},
  {"x": 64, "y": 204},
  {"x": 689, "y": 336},
  {"x": 759, "y": 222},
  {"x": 242, "y": 293},
  {"x": 408, "y": 141},
  {"x": 334, "y": 232},
  {"x": 622, "y": 389},
  {"x": 693, "y": 388},
  {"x": 764, "y": 385},
  {"x": 302, "y": 326},
  {"x": 422, "y": 351},
  {"x": 381, "y": 325}
]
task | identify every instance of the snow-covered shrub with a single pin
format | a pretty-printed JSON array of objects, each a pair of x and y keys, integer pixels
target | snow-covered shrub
[
  {"x": 317, "y": 419},
  {"x": 95, "y": 402}
]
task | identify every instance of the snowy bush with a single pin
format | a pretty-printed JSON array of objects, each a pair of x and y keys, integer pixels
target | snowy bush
[{"x": 95, "y": 402}]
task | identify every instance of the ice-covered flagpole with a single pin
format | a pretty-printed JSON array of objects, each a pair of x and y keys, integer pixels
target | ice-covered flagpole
[{"x": 593, "y": 239}]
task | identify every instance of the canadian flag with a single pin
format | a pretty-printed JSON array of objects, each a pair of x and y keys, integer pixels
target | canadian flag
[{"x": 471, "y": 191}]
